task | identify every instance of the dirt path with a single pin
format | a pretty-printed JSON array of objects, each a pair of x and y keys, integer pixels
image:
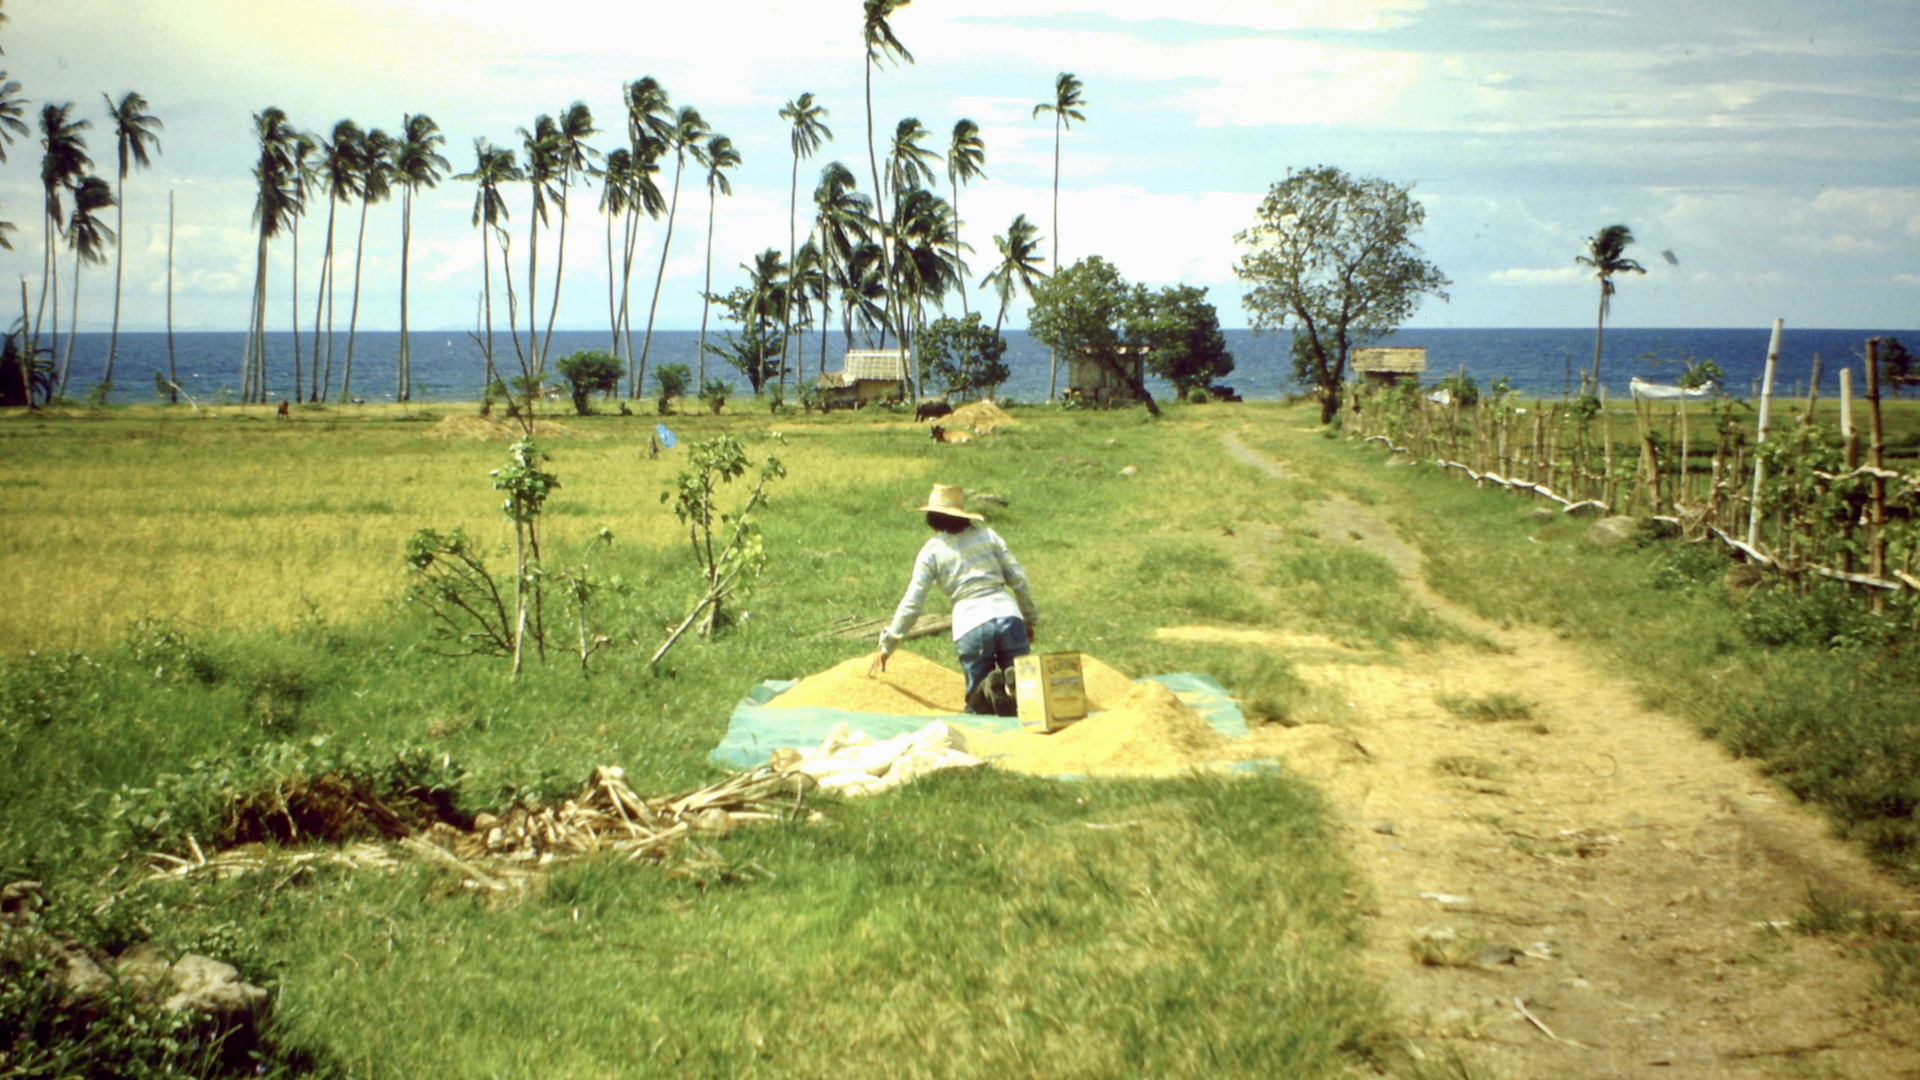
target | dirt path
[{"x": 1595, "y": 870}]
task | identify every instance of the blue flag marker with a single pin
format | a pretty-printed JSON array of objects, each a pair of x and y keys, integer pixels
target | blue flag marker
[{"x": 666, "y": 437}]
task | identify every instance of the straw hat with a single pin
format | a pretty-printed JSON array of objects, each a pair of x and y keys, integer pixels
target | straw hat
[{"x": 948, "y": 499}]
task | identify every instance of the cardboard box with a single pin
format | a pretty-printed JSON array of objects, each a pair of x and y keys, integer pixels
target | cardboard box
[{"x": 1051, "y": 690}]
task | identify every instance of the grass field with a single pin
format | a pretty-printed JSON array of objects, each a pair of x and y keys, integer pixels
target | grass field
[
  {"x": 206, "y": 601},
  {"x": 217, "y": 598}
]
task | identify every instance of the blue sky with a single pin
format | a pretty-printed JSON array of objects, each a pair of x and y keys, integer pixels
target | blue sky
[{"x": 1769, "y": 146}]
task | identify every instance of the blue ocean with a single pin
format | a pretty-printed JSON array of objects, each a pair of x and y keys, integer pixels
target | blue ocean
[{"x": 1541, "y": 363}]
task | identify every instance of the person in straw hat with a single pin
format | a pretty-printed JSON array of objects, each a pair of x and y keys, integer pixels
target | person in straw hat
[{"x": 993, "y": 612}]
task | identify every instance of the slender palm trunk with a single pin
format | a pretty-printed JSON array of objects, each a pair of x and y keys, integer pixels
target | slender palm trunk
[
  {"x": 295, "y": 306},
  {"x": 673, "y": 210},
  {"x": 879, "y": 211},
  {"x": 173, "y": 370},
  {"x": 826, "y": 297},
  {"x": 353, "y": 315},
  {"x": 613, "y": 308},
  {"x": 404, "y": 391},
  {"x": 786, "y": 329},
  {"x": 320, "y": 296},
  {"x": 630, "y": 241},
  {"x": 1053, "y": 358},
  {"x": 713, "y": 205},
  {"x": 53, "y": 349},
  {"x": 73, "y": 316},
  {"x": 533, "y": 293},
  {"x": 962, "y": 278},
  {"x": 250, "y": 381},
  {"x": 260, "y": 329},
  {"x": 1599, "y": 327},
  {"x": 486, "y": 303},
  {"x": 46, "y": 276},
  {"x": 513, "y": 316},
  {"x": 119, "y": 269},
  {"x": 559, "y": 260}
]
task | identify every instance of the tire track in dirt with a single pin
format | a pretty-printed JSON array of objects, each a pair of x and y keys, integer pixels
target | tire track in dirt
[{"x": 1598, "y": 871}]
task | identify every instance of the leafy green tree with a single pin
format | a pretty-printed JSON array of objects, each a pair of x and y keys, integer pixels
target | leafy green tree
[
  {"x": 1606, "y": 255},
  {"x": 718, "y": 155},
  {"x": 808, "y": 134},
  {"x": 1180, "y": 332},
  {"x": 688, "y": 129},
  {"x": 12, "y": 109},
  {"x": 135, "y": 132},
  {"x": 966, "y": 161},
  {"x": 340, "y": 178},
  {"x": 881, "y": 44},
  {"x": 1019, "y": 267},
  {"x": 759, "y": 309},
  {"x": 924, "y": 256},
  {"x": 1065, "y": 108},
  {"x": 494, "y": 167},
  {"x": 1332, "y": 257},
  {"x": 965, "y": 355},
  {"x": 375, "y": 161},
  {"x": 416, "y": 164},
  {"x": 87, "y": 238},
  {"x": 1082, "y": 311},
  {"x": 589, "y": 372},
  {"x": 1898, "y": 368},
  {"x": 671, "y": 381}
]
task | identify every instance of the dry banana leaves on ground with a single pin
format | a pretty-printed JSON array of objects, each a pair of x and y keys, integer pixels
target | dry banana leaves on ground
[{"x": 503, "y": 852}]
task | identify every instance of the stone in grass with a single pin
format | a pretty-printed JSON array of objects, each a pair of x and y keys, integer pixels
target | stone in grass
[{"x": 1613, "y": 531}]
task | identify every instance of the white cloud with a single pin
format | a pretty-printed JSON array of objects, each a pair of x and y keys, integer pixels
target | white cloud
[{"x": 1529, "y": 277}]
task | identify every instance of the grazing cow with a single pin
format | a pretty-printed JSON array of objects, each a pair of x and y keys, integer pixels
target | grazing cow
[
  {"x": 932, "y": 410},
  {"x": 283, "y": 410}
]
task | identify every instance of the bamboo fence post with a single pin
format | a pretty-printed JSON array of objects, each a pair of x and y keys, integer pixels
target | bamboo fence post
[
  {"x": 1847, "y": 435},
  {"x": 1813, "y": 391},
  {"x": 1877, "y": 551},
  {"x": 1606, "y": 434},
  {"x": 1759, "y": 463}
]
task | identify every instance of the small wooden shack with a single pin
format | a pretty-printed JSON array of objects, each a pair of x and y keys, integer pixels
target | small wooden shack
[
  {"x": 866, "y": 375},
  {"x": 1090, "y": 380},
  {"x": 1385, "y": 367}
]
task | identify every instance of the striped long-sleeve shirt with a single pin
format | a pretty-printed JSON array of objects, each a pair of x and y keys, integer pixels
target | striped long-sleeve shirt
[{"x": 975, "y": 569}]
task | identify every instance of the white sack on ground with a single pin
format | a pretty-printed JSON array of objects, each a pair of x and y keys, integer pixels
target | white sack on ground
[{"x": 851, "y": 762}]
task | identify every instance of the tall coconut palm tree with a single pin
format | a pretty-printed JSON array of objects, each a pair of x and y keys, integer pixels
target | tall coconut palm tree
[
  {"x": 1065, "y": 108},
  {"x": 544, "y": 146},
  {"x": 649, "y": 131},
  {"x": 135, "y": 131},
  {"x": 416, "y": 164},
  {"x": 881, "y": 44},
  {"x": 375, "y": 159},
  {"x": 576, "y": 127},
  {"x": 910, "y": 163},
  {"x": 1019, "y": 265},
  {"x": 277, "y": 200},
  {"x": 841, "y": 224},
  {"x": 87, "y": 237},
  {"x": 864, "y": 293},
  {"x": 718, "y": 155},
  {"x": 493, "y": 168},
  {"x": 807, "y": 283},
  {"x": 306, "y": 178},
  {"x": 688, "y": 129},
  {"x": 616, "y": 201},
  {"x": 966, "y": 161},
  {"x": 63, "y": 161},
  {"x": 808, "y": 133},
  {"x": 340, "y": 173},
  {"x": 925, "y": 258},
  {"x": 1606, "y": 254}
]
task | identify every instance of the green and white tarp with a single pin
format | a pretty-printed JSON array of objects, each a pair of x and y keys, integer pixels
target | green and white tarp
[{"x": 756, "y": 729}]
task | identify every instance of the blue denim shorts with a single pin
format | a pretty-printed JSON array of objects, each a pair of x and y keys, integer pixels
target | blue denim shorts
[{"x": 992, "y": 644}]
